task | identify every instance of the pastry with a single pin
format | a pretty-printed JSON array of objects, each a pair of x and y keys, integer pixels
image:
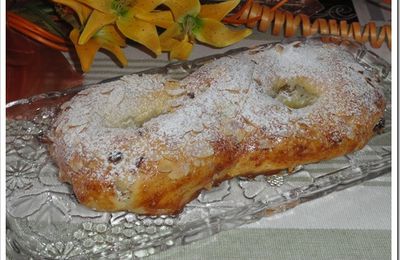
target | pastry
[{"x": 148, "y": 144}]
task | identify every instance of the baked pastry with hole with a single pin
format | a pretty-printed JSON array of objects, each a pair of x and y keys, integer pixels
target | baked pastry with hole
[{"x": 149, "y": 145}]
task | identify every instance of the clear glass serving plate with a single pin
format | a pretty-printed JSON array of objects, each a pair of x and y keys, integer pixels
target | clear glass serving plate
[{"x": 44, "y": 220}]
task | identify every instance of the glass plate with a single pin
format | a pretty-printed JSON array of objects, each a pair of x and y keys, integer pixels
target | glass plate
[{"x": 45, "y": 221}]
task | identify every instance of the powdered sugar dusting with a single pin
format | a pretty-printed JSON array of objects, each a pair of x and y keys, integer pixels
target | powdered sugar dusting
[{"x": 228, "y": 98}]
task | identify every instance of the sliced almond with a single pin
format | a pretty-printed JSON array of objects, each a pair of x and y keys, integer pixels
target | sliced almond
[
  {"x": 197, "y": 163},
  {"x": 165, "y": 166},
  {"x": 197, "y": 127},
  {"x": 176, "y": 91},
  {"x": 76, "y": 163},
  {"x": 264, "y": 144},
  {"x": 179, "y": 172},
  {"x": 172, "y": 84},
  {"x": 239, "y": 134},
  {"x": 185, "y": 168},
  {"x": 228, "y": 128},
  {"x": 154, "y": 156},
  {"x": 201, "y": 150},
  {"x": 176, "y": 103},
  {"x": 170, "y": 154},
  {"x": 85, "y": 92},
  {"x": 76, "y": 125},
  {"x": 279, "y": 48},
  {"x": 65, "y": 106},
  {"x": 107, "y": 91}
]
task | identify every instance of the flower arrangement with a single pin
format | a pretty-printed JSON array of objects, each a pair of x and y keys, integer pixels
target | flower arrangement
[
  {"x": 172, "y": 26},
  {"x": 107, "y": 23}
]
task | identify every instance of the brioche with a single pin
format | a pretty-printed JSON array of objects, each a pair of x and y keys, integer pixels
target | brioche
[{"x": 148, "y": 144}]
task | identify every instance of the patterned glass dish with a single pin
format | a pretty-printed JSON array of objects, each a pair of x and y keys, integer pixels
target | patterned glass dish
[{"x": 45, "y": 221}]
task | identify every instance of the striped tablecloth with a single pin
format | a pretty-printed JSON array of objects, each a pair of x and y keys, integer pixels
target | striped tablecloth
[{"x": 351, "y": 224}]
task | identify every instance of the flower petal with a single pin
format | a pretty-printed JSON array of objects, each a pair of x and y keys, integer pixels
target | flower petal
[
  {"x": 86, "y": 52},
  {"x": 119, "y": 54},
  {"x": 218, "y": 35},
  {"x": 147, "y": 5},
  {"x": 104, "y": 6},
  {"x": 83, "y": 11},
  {"x": 110, "y": 35},
  {"x": 180, "y": 8},
  {"x": 218, "y": 11},
  {"x": 182, "y": 50},
  {"x": 95, "y": 22},
  {"x": 168, "y": 37},
  {"x": 140, "y": 31},
  {"x": 169, "y": 44},
  {"x": 163, "y": 19}
]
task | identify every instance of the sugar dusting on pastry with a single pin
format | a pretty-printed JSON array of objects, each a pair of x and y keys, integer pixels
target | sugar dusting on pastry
[{"x": 228, "y": 106}]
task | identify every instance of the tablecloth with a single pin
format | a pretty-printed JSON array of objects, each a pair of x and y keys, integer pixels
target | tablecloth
[{"x": 351, "y": 224}]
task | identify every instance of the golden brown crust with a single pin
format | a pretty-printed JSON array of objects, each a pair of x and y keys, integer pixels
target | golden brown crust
[{"x": 163, "y": 163}]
